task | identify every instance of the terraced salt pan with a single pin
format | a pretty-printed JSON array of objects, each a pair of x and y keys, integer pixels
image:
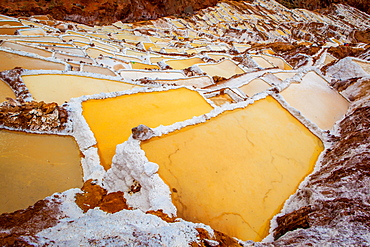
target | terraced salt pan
[
  {"x": 97, "y": 70},
  {"x": 365, "y": 65},
  {"x": 316, "y": 100},
  {"x": 112, "y": 119},
  {"x": 183, "y": 63},
  {"x": 197, "y": 82},
  {"x": 153, "y": 75},
  {"x": 5, "y": 91},
  {"x": 226, "y": 69},
  {"x": 278, "y": 62},
  {"x": 19, "y": 59},
  {"x": 32, "y": 31},
  {"x": 138, "y": 65},
  {"x": 30, "y": 38},
  {"x": 255, "y": 86},
  {"x": 236, "y": 178},
  {"x": 26, "y": 48},
  {"x": 284, "y": 75},
  {"x": 262, "y": 62},
  {"x": 221, "y": 98},
  {"x": 35, "y": 166},
  {"x": 10, "y": 30},
  {"x": 61, "y": 88}
]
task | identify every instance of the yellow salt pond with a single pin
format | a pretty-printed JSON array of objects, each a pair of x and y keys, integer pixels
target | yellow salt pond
[
  {"x": 15, "y": 60},
  {"x": 26, "y": 48},
  {"x": 316, "y": 100},
  {"x": 60, "y": 88},
  {"x": 5, "y": 91},
  {"x": 183, "y": 63},
  {"x": 112, "y": 119},
  {"x": 35, "y": 166},
  {"x": 235, "y": 171},
  {"x": 138, "y": 65},
  {"x": 226, "y": 69},
  {"x": 254, "y": 87}
]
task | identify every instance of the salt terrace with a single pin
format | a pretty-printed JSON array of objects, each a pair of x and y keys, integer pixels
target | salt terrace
[{"x": 229, "y": 110}]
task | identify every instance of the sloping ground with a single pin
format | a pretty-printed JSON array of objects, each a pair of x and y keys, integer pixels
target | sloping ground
[
  {"x": 306, "y": 73},
  {"x": 102, "y": 12}
]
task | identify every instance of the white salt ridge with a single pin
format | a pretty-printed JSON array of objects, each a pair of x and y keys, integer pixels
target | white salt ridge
[{"x": 118, "y": 229}]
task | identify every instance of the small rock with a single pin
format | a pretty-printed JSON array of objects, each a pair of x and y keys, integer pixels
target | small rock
[{"x": 142, "y": 132}]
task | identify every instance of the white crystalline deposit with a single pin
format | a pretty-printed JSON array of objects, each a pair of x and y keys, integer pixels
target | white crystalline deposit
[
  {"x": 130, "y": 164},
  {"x": 346, "y": 69},
  {"x": 97, "y": 228}
]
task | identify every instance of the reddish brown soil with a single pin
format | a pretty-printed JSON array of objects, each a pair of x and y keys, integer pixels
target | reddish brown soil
[
  {"x": 362, "y": 5},
  {"x": 102, "y": 12},
  {"x": 17, "y": 226},
  {"x": 95, "y": 196},
  {"x": 222, "y": 239}
]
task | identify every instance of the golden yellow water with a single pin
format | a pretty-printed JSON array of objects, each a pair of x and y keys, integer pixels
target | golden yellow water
[
  {"x": 111, "y": 120},
  {"x": 5, "y": 91},
  {"x": 138, "y": 65},
  {"x": 61, "y": 88},
  {"x": 234, "y": 172},
  {"x": 35, "y": 166}
]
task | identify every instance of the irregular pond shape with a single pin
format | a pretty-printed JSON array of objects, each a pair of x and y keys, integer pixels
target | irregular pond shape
[
  {"x": 97, "y": 70},
  {"x": 225, "y": 69},
  {"x": 255, "y": 86},
  {"x": 26, "y": 48},
  {"x": 138, "y": 65},
  {"x": 235, "y": 171},
  {"x": 60, "y": 88},
  {"x": 284, "y": 75},
  {"x": 261, "y": 62},
  {"x": 316, "y": 100},
  {"x": 183, "y": 63},
  {"x": 35, "y": 166},
  {"x": 15, "y": 60},
  {"x": 112, "y": 119},
  {"x": 139, "y": 74},
  {"x": 278, "y": 62}
]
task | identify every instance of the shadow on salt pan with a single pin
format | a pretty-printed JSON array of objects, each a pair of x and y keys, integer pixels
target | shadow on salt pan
[{"x": 235, "y": 171}]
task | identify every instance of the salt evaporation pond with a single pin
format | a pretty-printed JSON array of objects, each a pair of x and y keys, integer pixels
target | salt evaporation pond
[
  {"x": 34, "y": 166},
  {"x": 112, "y": 119},
  {"x": 235, "y": 171}
]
